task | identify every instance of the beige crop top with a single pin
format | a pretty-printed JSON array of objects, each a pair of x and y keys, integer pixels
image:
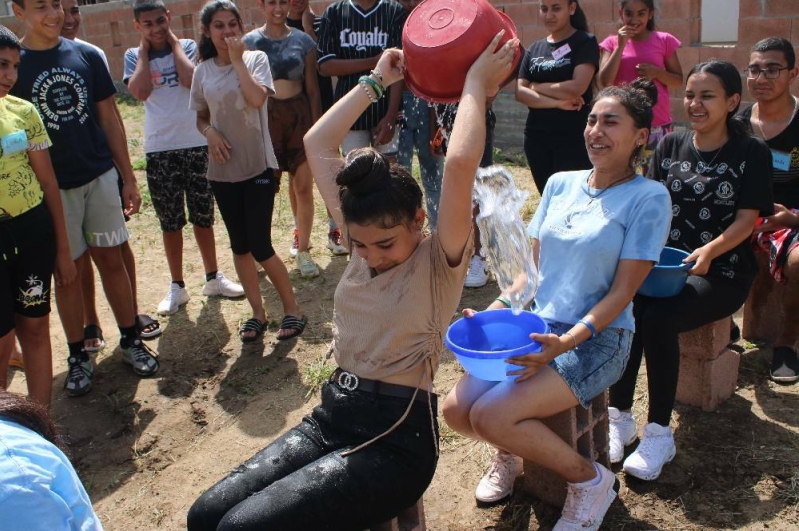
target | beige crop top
[{"x": 391, "y": 323}]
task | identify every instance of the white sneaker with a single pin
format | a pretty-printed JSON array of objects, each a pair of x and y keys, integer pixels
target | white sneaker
[
  {"x": 655, "y": 450},
  {"x": 295, "y": 243},
  {"x": 477, "y": 276},
  {"x": 623, "y": 432},
  {"x": 175, "y": 298},
  {"x": 306, "y": 265},
  {"x": 221, "y": 285},
  {"x": 334, "y": 243},
  {"x": 497, "y": 483},
  {"x": 586, "y": 505}
]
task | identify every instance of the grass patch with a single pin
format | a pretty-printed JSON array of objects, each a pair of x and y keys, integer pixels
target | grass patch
[{"x": 315, "y": 374}]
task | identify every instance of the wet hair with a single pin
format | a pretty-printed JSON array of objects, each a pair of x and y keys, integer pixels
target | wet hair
[
  {"x": 143, "y": 6},
  {"x": 30, "y": 414},
  {"x": 777, "y": 44},
  {"x": 650, "y": 5},
  {"x": 730, "y": 79},
  {"x": 206, "y": 48},
  {"x": 578, "y": 20},
  {"x": 8, "y": 39},
  {"x": 375, "y": 191},
  {"x": 639, "y": 99}
]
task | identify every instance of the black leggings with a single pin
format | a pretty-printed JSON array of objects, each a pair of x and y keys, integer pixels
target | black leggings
[
  {"x": 657, "y": 324},
  {"x": 549, "y": 153},
  {"x": 302, "y": 482},
  {"x": 246, "y": 208}
]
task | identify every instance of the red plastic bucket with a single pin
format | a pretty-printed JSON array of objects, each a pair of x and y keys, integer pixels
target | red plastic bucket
[{"x": 442, "y": 38}]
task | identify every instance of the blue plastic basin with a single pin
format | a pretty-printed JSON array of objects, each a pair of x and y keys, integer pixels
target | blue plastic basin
[
  {"x": 669, "y": 275},
  {"x": 482, "y": 343}
]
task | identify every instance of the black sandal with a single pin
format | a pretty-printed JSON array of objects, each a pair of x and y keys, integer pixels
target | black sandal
[
  {"x": 147, "y": 326},
  {"x": 93, "y": 332},
  {"x": 291, "y": 322},
  {"x": 251, "y": 325}
]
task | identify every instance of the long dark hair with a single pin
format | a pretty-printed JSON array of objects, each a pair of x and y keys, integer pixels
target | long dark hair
[
  {"x": 578, "y": 20},
  {"x": 206, "y": 48},
  {"x": 730, "y": 79},
  {"x": 30, "y": 414},
  {"x": 650, "y": 5},
  {"x": 373, "y": 190}
]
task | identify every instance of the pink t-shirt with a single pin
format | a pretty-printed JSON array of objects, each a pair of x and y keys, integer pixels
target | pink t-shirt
[{"x": 655, "y": 50}]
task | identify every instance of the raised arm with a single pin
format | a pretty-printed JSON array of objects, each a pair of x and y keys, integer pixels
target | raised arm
[
  {"x": 468, "y": 131},
  {"x": 609, "y": 63},
  {"x": 255, "y": 94}
]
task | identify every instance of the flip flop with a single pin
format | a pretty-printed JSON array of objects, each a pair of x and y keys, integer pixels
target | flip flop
[
  {"x": 291, "y": 322},
  {"x": 147, "y": 326},
  {"x": 92, "y": 332},
  {"x": 251, "y": 325}
]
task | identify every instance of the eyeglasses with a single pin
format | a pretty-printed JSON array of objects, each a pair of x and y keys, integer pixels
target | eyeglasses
[{"x": 773, "y": 72}]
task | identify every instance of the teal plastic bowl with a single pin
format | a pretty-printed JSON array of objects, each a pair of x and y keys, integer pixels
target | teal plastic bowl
[
  {"x": 482, "y": 343},
  {"x": 669, "y": 275}
]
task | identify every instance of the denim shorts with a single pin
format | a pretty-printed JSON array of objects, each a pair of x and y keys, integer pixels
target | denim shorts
[{"x": 595, "y": 364}]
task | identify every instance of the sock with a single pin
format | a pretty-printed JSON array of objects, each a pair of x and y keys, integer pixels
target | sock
[
  {"x": 295, "y": 222},
  {"x": 179, "y": 283},
  {"x": 591, "y": 482},
  {"x": 76, "y": 349},
  {"x": 331, "y": 224},
  {"x": 210, "y": 276},
  {"x": 127, "y": 336}
]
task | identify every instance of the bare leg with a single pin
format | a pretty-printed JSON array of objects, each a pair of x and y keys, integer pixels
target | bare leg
[
  {"x": 69, "y": 301},
  {"x": 204, "y": 236},
  {"x": 34, "y": 336},
  {"x": 173, "y": 248},
  {"x": 116, "y": 283},
  {"x": 90, "y": 315},
  {"x": 279, "y": 277},
  {"x": 248, "y": 276},
  {"x": 130, "y": 267},
  {"x": 302, "y": 184},
  {"x": 789, "y": 332},
  {"x": 459, "y": 402},
  {"x": 6, "y": 346}
]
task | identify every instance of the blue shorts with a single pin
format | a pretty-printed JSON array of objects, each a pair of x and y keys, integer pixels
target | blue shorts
[{"x": 595, "y": 364}]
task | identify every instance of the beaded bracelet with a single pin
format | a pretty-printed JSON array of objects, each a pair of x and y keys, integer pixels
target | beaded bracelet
[
  {"x": 378, "y": 74},
  {"x": 376, "y": 85},
  {"x": 367, "y": 88},
  {"x": 504, "y": 301},
  {"x": 589, "y": 326}
]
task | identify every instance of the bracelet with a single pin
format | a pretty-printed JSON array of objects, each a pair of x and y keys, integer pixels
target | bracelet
[
  {"x": 504, "y": 301},
  {"x": 571, "y": 336},
  {"x": 589, "y": 326},
  {"x": 207, "y": 127},
  {"x": 368, "y": 90},
  {"x": 378, "y": 74},
  {"x": 376, "y": 85}
]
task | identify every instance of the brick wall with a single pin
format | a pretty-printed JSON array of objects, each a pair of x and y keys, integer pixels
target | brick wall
[{"x": 110, "y": 26}]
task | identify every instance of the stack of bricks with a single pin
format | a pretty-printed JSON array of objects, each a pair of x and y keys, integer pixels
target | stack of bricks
[
  {"x": 708, "y": 369},
  {"x": 411, "y": 519},
  {"x": 585, "y": 430},
  {"x": 763, "y": 311}
]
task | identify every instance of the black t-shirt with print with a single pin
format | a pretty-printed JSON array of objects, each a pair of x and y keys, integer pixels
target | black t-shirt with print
[
  {"x": 540, "y": 66},
  {"x": 65, "y": 83},
  {"x": 786, "y": 182},
  {"x": 707, "y": 190}
]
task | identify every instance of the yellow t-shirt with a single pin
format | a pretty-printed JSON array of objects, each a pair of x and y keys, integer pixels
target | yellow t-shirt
[{"x": 21, "y": 130}]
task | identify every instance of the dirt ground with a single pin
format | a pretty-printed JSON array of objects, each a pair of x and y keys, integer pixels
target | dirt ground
[{"x": 146, "y": 448}]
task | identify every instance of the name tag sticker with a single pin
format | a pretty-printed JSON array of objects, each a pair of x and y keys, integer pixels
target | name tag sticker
[
  {"x": 14, "y": 142},
  {"x": 781, "y": 160},
  {"x": 560, "y": 52}
]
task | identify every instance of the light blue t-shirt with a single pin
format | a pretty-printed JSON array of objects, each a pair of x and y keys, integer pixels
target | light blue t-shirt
[
  {"x": 582, "y": 240},
  {"x": 39, "y": 489}
]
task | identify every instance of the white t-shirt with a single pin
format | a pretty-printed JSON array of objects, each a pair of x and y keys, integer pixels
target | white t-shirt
[
  {"x": 582, "y": 240},
  {"x": 168, "y": 122},
  {"x": 99, "y": 50},
  {"x": 217, "y": 89}
]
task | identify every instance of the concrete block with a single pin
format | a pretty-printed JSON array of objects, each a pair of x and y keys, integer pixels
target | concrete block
[
  {"x": 411, "y": 519},
  {"x": 763, "y": 310},
  {"x": 706, "y": 342},
  {"x": 585, "y": 430},
  {"x": 706, "y": 383}
]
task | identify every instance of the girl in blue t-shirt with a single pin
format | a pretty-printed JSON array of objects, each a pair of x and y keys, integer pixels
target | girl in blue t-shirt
[{"x": 596, "y": 235}]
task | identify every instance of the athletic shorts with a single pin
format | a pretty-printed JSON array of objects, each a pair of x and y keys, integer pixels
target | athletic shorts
[
  {"x": 173, "y": 174},
  {"x": 27, "y": 260},
  {"x": 363, "y": 138},
  {"x": 289, "y": 120}
]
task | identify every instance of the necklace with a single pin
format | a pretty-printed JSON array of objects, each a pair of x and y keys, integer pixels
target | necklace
[
  {"x": 760, "y": 121},
  {"x": 605, "y": 189},
  {"x": 707, "y": 166}
]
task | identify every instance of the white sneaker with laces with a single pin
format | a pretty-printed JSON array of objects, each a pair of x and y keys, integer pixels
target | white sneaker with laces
[
  {"x": 623, "y": 432},
  {"x": 477, "y": 276},
  {"x": 497, "y": 483},
  {"x": 221, "y": 285},
  {"x": 306, "y": 265},
  {"x": 334, "y": 243},
  {"x": 175, "y": 298},
  {"x": 586, "y": 505},
  {"x": 655, "y": 450}
]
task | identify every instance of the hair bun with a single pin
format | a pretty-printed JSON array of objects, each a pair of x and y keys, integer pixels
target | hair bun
[
  {"x": 648, "y": 88},
  {"x": 365, "y": 171}
]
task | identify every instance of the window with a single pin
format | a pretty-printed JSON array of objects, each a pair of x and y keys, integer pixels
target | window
[{"x": 719, "y": 21}]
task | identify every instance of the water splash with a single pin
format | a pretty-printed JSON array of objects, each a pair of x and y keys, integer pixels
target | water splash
[{"x": 504, "y": 240}]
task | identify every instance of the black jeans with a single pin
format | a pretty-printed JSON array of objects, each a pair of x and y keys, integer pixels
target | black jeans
[
  {"x": 301, "y": 482},
  {"x": 657, "y": 324},
  {"x": 549, "y": 153}
]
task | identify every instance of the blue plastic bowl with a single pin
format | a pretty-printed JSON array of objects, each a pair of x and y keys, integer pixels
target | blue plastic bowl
[
  {"x": 669, "y": 275},
  {"x": 482, "y": 343}
]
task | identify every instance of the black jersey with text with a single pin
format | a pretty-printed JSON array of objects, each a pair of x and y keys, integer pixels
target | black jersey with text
[
  {"x": 786, "y": 182},
  {"x": 708, "y": 188},
  {"x": 347, "y": 31},
  {"x": 65, "y": 83}
]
